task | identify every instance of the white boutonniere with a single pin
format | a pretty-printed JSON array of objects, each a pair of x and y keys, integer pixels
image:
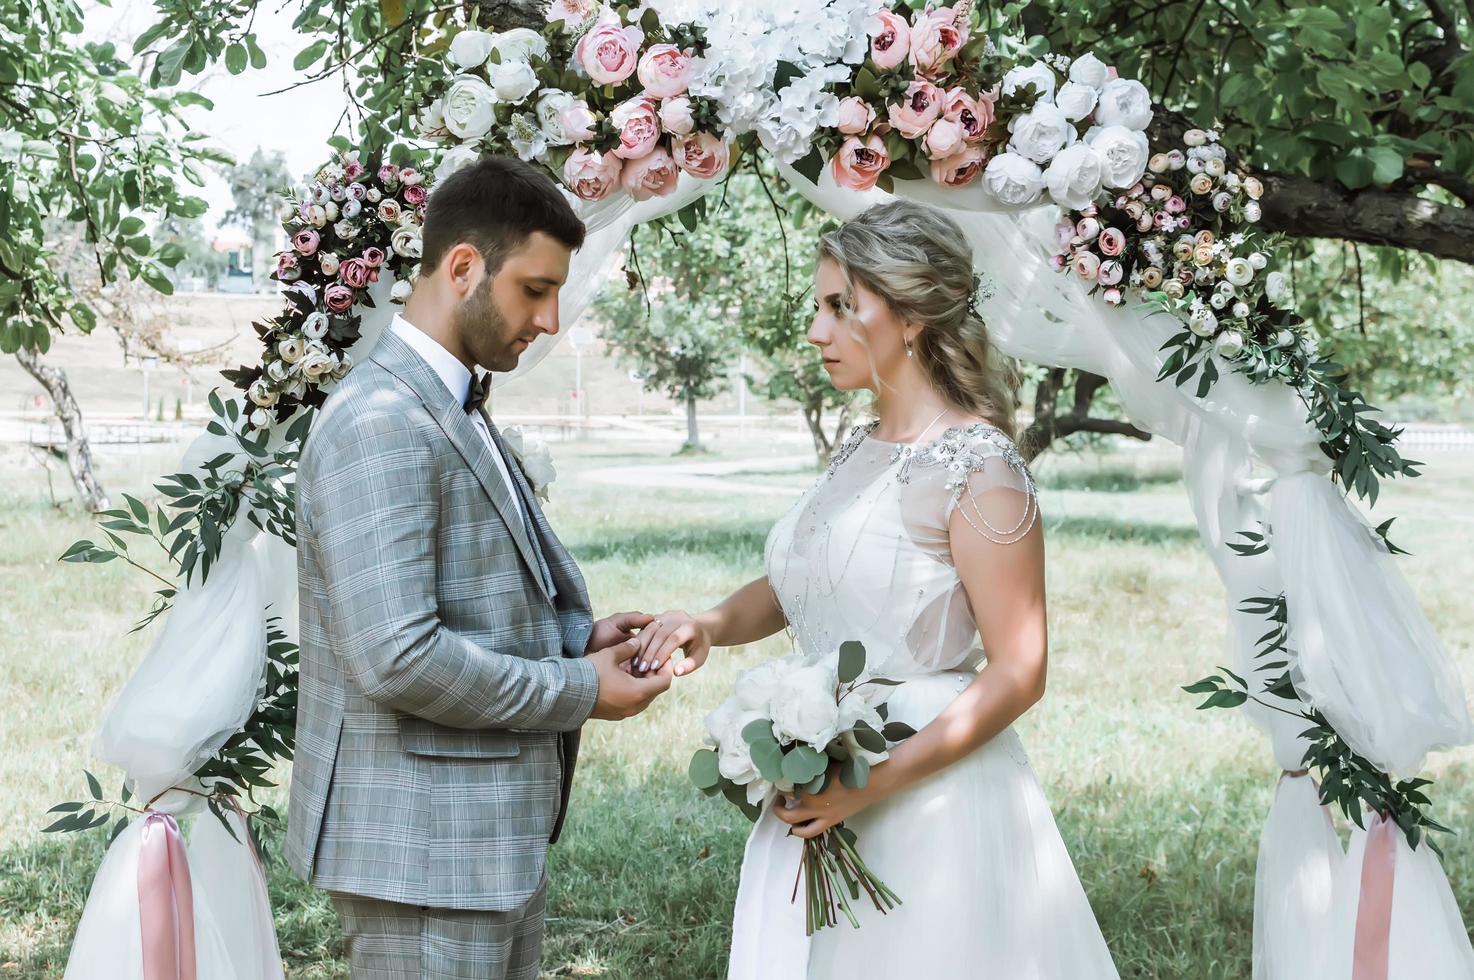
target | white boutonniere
[{"x": 534, "y": 458}]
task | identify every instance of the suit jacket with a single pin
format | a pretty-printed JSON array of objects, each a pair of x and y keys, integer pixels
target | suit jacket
[{"x": 442, "y": 683}]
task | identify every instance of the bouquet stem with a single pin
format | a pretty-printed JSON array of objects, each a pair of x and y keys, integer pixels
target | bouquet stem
[{"x": 833, "y": 873}]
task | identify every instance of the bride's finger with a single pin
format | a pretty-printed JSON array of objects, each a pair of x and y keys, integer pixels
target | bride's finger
[
  {"x": 654, "y": 640},
  {"x": 670, "y": 643}
]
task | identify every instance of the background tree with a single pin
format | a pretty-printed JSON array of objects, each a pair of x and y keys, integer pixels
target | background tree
[
  {"x": 678, "y": 339},
  {"x": 85, "y": 146},
  {"x": 257, "y": 188}
]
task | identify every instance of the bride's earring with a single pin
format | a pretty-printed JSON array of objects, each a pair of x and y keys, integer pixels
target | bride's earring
[{"x": 909, "y": 351}]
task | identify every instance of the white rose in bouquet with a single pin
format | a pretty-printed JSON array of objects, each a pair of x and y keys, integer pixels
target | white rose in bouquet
[
  {"x": 458, "y": 156},
  {"x": 1124, "y": 102},
  {"x": 803, "y": 710},
  {"x": 757, "y": 686},
  {"x": 1014, "y": 180},
  {"x": 1230, "y": 344},
  {"x": 1041, "y": 132},
  {"x": 469, "y": 111},
  {"x": 513, "y": 81},
  {"x": 519, "y": 44},
  {"x": 1123, "y": 154},
  {"x": 1074, "y": 178},
  {"x": 1277, "y": 288},
  {"x": 1039, "y": 74},
  {"x": 1089, "y": 70},
  {"x": 470, "y": 49},
  {"x": 550, "y": 106},
  {"x": 1075, "y": 100}
]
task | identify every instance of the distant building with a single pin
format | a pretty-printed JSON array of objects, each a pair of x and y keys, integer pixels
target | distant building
[{"x": 240, "y": 252}]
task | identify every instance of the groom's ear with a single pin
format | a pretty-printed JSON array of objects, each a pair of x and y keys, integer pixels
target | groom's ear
[{"x": 463, "y": 267}]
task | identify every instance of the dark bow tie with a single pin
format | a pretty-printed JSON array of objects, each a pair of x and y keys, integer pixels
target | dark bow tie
[{"x": 480, "y": 388}]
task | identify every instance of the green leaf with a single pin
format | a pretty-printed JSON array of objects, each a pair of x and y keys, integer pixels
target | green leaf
[
  {"x": 258, "y": 57},
  {"x": 704, "y": 770},
  {"x": 1387, "y": 164},
  {"x": 309, "y": 54},
  {"x": 851, "y": 660},
  {"x": 155, "y": 277},
  {"x": 868, "y": 738},
  {"x": 762, "y": 728},
  {"x": 767, "y": 755},
  {"x": 855, "y": 773},
  {"x": 93, "y": 786},
  {"x": 896, "y": 731},
  {"x": 235, "y": 58},
  {"x": 65, "y": 808},
  {"x": 1355, "y": 171},
  {"x": 802, "y": 764},
  {"x": 811, "y": 165}
]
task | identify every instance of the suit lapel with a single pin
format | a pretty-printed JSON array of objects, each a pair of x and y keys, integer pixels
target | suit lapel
[{"x": 399, "y": 359}]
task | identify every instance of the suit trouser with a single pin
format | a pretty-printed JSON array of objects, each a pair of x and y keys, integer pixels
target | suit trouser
[{"x": 390, "y": 941}]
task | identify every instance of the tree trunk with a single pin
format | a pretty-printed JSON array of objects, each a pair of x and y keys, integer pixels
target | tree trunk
[
  {"x": 813, "y": 411},
  {"x": 693, "y": 438},
  {"x": 503, "y": 15},
  {"x": 79, "y": 453},
  {"x": 1049, "y": 425}
]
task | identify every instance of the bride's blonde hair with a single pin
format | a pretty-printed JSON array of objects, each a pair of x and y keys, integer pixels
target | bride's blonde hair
[{"x": 918, "y": 260}]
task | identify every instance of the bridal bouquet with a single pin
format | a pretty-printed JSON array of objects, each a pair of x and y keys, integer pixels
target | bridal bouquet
[{"x": 790, "y": 726}]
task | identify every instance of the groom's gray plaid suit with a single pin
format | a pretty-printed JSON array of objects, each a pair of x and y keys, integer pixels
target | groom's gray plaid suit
[{"x": 442, "y": 679}]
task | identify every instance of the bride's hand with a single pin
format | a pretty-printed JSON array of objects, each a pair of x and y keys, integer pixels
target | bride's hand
[
  {"x": 672, "y": 631},
  {"x": 815, "y": 814}
]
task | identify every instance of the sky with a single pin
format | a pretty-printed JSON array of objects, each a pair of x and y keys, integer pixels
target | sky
[{"x": 297, "y": 123}]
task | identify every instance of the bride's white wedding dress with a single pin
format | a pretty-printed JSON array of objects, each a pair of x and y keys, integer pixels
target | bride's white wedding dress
[{"x": 987, "y": 887}]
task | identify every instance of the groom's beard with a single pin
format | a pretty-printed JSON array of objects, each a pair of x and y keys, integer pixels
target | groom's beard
[{"x": 484, "y": 331}]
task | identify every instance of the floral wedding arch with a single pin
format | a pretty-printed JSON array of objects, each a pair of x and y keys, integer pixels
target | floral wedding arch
[{"x": 1102, "y": 251}]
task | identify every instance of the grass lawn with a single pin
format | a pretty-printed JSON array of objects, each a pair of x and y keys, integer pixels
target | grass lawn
[{"x": 1160, "y": 805}]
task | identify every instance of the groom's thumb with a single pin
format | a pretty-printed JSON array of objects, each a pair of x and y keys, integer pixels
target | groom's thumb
[{"x": 623, "y": 652}]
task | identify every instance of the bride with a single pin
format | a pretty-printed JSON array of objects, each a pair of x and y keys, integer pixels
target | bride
[{"x": 922, "y": 540}]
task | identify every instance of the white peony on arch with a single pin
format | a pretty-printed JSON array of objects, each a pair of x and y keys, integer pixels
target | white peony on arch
[{"x": 637, "y": 118}]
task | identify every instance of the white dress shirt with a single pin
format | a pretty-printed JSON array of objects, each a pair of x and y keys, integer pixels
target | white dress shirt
[{"x": 457, "y": 379}]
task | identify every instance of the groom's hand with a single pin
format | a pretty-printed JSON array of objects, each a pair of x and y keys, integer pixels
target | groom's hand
[
  {"x": 622, "y": 695},
  {"x": 612, "y": 630}
]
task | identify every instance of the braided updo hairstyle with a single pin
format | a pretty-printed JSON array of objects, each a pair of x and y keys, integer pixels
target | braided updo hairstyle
[{"x": 919, "y": 261}]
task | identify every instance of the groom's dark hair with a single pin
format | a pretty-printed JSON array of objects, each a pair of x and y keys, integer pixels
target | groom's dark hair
[{"x": 495, "y": 204}]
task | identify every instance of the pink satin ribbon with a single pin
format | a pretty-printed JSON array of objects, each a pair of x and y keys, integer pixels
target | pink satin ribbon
[
  {"x": 1374, "y": 907},
  {"x": 165, "y": 901}
]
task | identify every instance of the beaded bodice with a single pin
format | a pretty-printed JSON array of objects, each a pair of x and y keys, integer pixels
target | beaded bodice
[{"x": 866, "y": 553}]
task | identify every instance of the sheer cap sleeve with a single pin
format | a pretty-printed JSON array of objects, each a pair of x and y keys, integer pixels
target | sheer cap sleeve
[{"x": 989, "y": 483}]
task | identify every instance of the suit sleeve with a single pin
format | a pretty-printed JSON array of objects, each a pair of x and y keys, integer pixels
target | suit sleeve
[{"x": 374, "y": 511}]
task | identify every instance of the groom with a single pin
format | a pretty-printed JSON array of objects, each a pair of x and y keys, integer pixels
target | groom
[{"x": 449, "y": 657}]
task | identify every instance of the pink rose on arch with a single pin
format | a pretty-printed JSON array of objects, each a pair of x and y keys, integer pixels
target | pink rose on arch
[
  {"x": 306, "y": 241},
  {"x": 374, "y": 257},
  {"x": 1087, "y": 228},
  {"x": 1058, "y": 262},
  {"x": 638, "y": 126},
  {"x": 652, "y": 175},
  {"x": 1112, "y": 242},
  {"x": 338, "y": 298},
  {"x": 1113, "y": 296},
  {"x": 1064, "y": 233},
  {"x": 1110, "y": 273},
  {"x": 415, "y": 195},
  {"x": 354, "y": 273},
  {"x": 702, "y": 155},
  {"x": 357, "y": 191},
  {"x": 936, "y": 37},
  {"x": 578, "y": 122},
  {"x": 287, "y": 269},
  {"x": 1164, "y": 221},
  {"x": 944, "y": 139},
  {"x": 859, "y": 165},
  {"x": 961, "y": 169},
  {"x": 591, "y": 176},
  {"x": 389, "y": 211},
  {"x": 665, "y": 71},
  {"x": 922, "y": 106},
  {"x": 675, "y": 116},
  {"x": 609, "y": 52},
  {"x": 1086, "y": 265},
  {"x": 855, "y": 116},
  {"x": 1175, "y": 204},
  {"x": 968, "y": 113},
  {"x": 388, "y": 173},
  {"x": 890, "y": 39},
  {"x": 352, "y": 169}
]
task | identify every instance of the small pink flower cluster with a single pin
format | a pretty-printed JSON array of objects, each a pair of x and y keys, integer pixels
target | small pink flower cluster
[
  {"x": 351, "y": 226},
  {"x": 941, "y": 110},
  {"x": 652, "y": 117}
]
